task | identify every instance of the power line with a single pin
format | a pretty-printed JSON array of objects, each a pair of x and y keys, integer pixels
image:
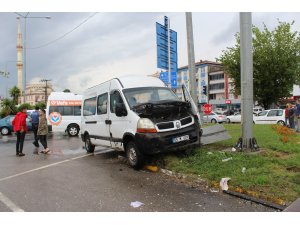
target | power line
[{"x": 61, "y": 37}]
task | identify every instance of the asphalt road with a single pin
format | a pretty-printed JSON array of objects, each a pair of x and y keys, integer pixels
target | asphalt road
[{"x": 69, "y": 179}]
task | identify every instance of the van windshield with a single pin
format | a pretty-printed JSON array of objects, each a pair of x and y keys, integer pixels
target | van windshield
[{"x": 136, "y": 96}]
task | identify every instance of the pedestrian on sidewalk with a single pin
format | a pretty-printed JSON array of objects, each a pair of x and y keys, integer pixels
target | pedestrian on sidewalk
[
  {"x": 43, "y": 131},
  {"x": 20, "y": 127},
  {"x": 286, "y": 115},
  {"x": 291, "y": 116},
  {"x": 297, "y": 114},
  {"x": 35, "y": 124}
]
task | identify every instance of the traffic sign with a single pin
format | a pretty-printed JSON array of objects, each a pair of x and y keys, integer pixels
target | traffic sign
[
  {"x": 207, "y": 108},
  {"x": 162, "y": 47},
  {"x": 164, "y": 76}
]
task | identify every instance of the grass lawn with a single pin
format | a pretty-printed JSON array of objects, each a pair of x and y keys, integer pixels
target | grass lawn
[{"x": 272, "y": 173}]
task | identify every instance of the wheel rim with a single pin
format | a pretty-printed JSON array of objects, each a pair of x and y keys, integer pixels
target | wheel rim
[
  {"x": 73, "y": 131},
  {"x": 132, "y": 155},
  {"x": 214, "y": 121},
  {"x": 280, "y": 123},
  {"x": 228, "y": 120},
  {"x": 4, "y": 131}
]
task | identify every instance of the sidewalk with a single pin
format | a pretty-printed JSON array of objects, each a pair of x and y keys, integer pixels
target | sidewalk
[{"x": 294, "y": 207}]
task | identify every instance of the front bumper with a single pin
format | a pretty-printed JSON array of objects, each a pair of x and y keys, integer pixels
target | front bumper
[{"x": 153, "y": 143}]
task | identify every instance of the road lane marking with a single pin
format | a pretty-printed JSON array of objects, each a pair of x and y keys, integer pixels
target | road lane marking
[
  {"x": 12, "y": 206},
  {"x": 55, "y": 164}
]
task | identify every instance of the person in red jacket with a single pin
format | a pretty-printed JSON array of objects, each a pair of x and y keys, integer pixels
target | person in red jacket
[{"x": 20, "y": 127}]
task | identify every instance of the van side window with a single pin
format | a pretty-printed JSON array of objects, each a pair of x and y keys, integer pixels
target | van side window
[
  {"x": 89, "y": 107},
  {"x": 115, "y": 98},
  {"x": 77, "y": 110},
  {"x": 102, "y": 104}
]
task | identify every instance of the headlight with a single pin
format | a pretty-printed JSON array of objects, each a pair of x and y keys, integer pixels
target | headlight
[{"x": 145, "y": 125}]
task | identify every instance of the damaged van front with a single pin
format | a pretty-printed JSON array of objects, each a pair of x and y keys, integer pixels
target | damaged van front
[{"x": 166, "y": 123}]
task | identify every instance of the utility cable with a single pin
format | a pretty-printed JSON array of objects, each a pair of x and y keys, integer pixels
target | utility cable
[{"x": 64, "y": 35}]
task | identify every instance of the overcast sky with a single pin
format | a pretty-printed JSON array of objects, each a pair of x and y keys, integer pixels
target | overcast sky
[{"x": 111, "y": 44}]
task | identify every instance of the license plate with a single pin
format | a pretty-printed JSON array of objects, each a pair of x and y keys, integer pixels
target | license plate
[{"x": 182, "y": 138}]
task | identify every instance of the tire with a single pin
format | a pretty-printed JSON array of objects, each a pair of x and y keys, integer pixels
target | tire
[
  {"x": 73, "y": 130},
  {"x": 134, "y": 157},
  {"x": 280, "y": 122},
  {"x": 228, "y": 120},
  {"x": 214, "y": 121},
  {"x": 89, "y": 147},
  {"x": 5, "y": 131}
]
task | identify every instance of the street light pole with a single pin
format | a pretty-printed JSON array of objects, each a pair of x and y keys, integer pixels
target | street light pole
[
  {"x": 46, "y": 87},
  {"x": 25, "y": 19}
]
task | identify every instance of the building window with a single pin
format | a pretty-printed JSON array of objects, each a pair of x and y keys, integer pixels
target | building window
[
  {"x": 212, "y": 96},
  {"x": 216, "y": 76},
  {"x": 216, "y": 86}
]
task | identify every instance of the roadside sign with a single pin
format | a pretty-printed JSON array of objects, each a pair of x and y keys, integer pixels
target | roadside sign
[
  {"x": 164, "y": 76},
  {"x": 228, "y": 101},
  {"x": 162, "y": 47},
  {"x": 207, "y": 108}
]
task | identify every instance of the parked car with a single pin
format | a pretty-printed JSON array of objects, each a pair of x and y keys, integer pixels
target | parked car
[
  {"x": 6, "y": 127},
  {"x": 271, "y": 116},
  {"x": 215, "y": 117},
  {"x": 236, "y": 118}
]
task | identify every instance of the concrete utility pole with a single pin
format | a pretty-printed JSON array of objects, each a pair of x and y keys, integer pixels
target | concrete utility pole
[
  {"x": 247, "y": 81},
  {"x": 191, "y": 57}
]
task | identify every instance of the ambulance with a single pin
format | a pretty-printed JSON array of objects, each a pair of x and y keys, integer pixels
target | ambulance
[{"x": 64, "y": 112}]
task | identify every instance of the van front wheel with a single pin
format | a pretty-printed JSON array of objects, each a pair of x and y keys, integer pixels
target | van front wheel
[
  {"x": 134, "y": 157},
  {"x": 89, "y": 147}
]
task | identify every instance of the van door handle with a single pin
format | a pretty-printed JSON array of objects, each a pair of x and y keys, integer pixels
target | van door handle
[{"x": 108, "y": 122}]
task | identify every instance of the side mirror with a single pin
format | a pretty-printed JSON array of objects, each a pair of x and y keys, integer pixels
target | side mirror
[{"x": 121, "y": 110}]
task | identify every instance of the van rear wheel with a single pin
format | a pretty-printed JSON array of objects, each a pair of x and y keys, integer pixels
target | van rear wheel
[
  {"x": 89, "y": 147},
  {"x": 134, "y": 157}
]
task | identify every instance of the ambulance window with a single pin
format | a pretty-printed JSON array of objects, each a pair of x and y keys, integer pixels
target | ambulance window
[
  {"x": 102, "y": 104},
  {"x": 115, "y": 98}
]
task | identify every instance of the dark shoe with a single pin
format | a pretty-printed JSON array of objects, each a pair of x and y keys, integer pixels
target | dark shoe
[
  {"x": 36, "y": 144},
  {"x": 21, "y": 154},
  {"x": 17, "y": 154}
]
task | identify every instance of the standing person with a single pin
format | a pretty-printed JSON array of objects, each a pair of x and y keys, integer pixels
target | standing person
[
  {"x": 286, "y": 115},
  {"x": 35, "y": 124},
  {"x": 297, "y": 114},
  {"x": 43, "y": 131},
  {"x": 291, "y": 116},
  {"x": 20, "y": 127}
]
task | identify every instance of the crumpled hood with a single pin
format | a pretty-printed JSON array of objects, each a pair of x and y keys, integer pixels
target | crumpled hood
[{"x": 164, "y": 110}]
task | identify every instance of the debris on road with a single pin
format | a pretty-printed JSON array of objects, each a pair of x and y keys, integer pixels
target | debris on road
[
  {"x": 151, "y": 168},
  {"x": 223, "y": 183},
  {"x": 136, "y": 204},
  {"x": 214, "y": 190}
]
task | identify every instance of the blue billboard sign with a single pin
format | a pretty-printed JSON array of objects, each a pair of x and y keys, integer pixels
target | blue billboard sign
[
  {"x": 164, "y": 76},
  {"x": 162, "y": 47}
]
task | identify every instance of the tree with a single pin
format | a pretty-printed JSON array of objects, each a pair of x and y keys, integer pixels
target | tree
[
  {"x": 41, "y": 105},
  {"x": 7, "y": 107},
  {"x": 276, "y": 62},
  {"x": 67, "y": 91},
  {"x": 25, "y": 105},
  {"x": 15, "y": 93}
]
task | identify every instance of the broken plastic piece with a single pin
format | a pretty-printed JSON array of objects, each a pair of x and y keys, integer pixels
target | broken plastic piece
[
  {"x": 223, "y": 183},
  {"x": 225, "y": 160},
  {"x": 136, "y": 204}
]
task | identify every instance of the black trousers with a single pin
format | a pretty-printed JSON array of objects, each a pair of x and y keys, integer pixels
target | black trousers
[
  {"x": 35, "y": 127},
  {"x": 20, "y": 141},
  {"x": 43, "y": 140}
]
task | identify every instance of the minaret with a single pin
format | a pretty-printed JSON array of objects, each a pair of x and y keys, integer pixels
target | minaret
[{"x": 19, "y": 58}]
